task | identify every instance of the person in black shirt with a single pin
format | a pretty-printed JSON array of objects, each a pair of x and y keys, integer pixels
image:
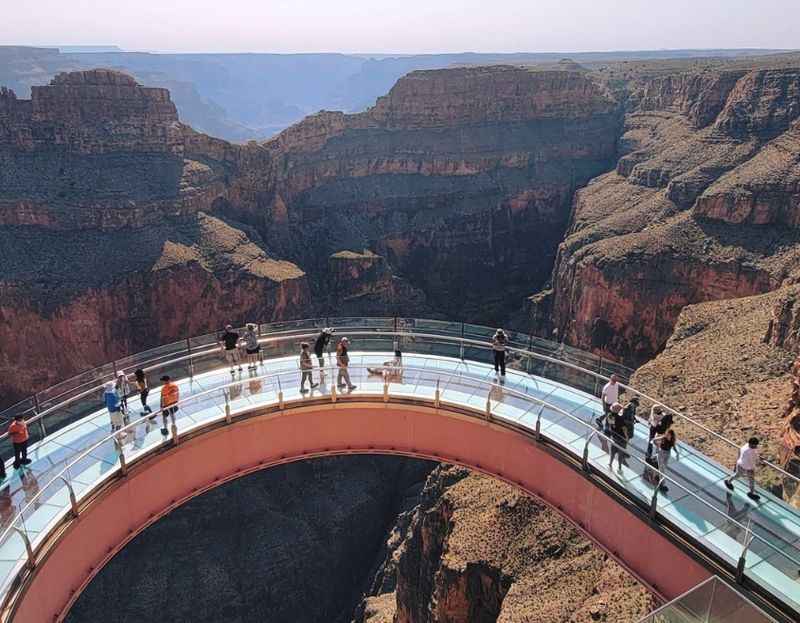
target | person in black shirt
[
  {"x": 618, "y": 431},
  {"x": 321, "y": 343},
  {"x": 230, "y": 346}
]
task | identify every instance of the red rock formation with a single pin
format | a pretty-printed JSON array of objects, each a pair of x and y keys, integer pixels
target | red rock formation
[
  {"x": 106, "y": 237},
  {"x": 449, "y": 177},
  {"x": 674, "y": 224}
]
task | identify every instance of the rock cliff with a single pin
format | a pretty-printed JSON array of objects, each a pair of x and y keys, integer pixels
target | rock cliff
[
  {"x": 476, "y": 550},
  {"x": 461, "y": 179},
  {"x": 455, "y": 189},
  {"x": 111, "y": 236},
  {"x": 701, "y": 206}
]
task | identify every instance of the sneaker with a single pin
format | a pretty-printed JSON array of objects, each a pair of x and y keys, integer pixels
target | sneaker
[
  {"x": 303, "y": 390},
  {"x": 352, "y": 387},
  {"x": 313, "y": 385},
  {"x": 26, "y": 461},
  {"x": 164, "y": 432},
  {"x": 754, "y": 496},
  {"x": 664, "y": 488},
  {"x": 729, "y": 484}
]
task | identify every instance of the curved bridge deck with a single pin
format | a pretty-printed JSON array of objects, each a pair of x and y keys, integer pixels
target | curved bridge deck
[{"x": 80, "y": 453}]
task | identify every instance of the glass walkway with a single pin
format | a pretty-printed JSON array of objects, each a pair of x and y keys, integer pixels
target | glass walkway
[{"x": 550, "y": 390}]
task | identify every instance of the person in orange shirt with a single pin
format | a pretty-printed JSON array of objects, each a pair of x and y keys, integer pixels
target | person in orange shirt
[
  {"x": 170, "y": 394},
  {"x": 18, "y": 431}
]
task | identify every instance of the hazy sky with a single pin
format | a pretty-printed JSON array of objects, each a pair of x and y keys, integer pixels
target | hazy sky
[{"x": 402, "y": 26}]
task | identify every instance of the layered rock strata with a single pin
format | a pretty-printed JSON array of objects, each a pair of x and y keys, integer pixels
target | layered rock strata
[
  {"x": 111, "y": 235},
  {"x": 701, "y": 206}
]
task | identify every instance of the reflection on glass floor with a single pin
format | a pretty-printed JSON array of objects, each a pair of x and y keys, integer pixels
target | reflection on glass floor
[{"x": 696, "y": 501}]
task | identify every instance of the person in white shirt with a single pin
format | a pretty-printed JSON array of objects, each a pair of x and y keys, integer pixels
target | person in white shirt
[
  {"x": 746, "y": 467},
  {"x": 609, "y": 396}
]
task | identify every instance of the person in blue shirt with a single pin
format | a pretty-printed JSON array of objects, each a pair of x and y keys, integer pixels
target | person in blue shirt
[{"x": 114, "y": 406}]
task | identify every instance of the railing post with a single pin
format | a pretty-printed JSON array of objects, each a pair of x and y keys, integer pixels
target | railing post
[
  {"x": 537, "y": 433},
  {"x": 191, "y": 360},
  {"x": 461, "y": 354},
  {"x": 530, "y": 350},
  {"x": 385, "y": 389},
  {"x": 489, "y": 407},
  {"x": 123, "y": 465},
  {"x": 280, "y": 394},
  {"x": 436, "y": 395},
  {"x": 742, "y": 559},
  {"x": 333, "y": 390},
  {"x": 42, "y": 428},
  {"x": 30, "y": 563},
  {"x": 227, "y": 395},
  {"x": 589, "y": 438},
  {"x": 114, "y": 367},
  {"x": 654, "y": 499},
  {"x": 73, "y": 502}
]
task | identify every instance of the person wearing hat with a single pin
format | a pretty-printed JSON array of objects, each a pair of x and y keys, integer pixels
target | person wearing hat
[
  {"x": 342, "y": 361},
  {"x": 114, "y": 406},
  {"x": 499, "y": 345},
  {"x": 170, "y": 395},
  {"x": 230, "y": 346},
  {"x": 629, "y": 415},
  {"x": 321, "y": 343}
]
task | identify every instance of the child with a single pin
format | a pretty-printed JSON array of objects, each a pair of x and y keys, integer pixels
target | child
[
  {"x": 306, "y": 366},
  {"x": 18, "y": 431}
]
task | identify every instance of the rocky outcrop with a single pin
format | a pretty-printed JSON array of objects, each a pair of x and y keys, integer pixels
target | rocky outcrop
[
  {"x": 477, "y": 550},
  {"x": 696, "y": 210},
  {"x": 362, "y": 283}
]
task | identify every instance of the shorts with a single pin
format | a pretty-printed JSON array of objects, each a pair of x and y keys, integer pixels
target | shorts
[
  {"x": 232, "y": 355},
  {"x": 117, "y": 418},
  {"x": 254, "y": 351}
]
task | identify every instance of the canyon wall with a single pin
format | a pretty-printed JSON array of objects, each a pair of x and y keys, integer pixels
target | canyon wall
[
  {"x": 448, "y": 198},
  {"x": 702, "y": 205},
  {"x": 111, "y": 239},
  {"x": 460, "y": 179}
]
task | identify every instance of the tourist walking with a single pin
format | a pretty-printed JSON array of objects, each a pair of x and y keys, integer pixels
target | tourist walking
[
  {"x": 499, "y": 346},
  {"x": 123, "y": 389},
  {"x": 320, "y": 344},
  {"x": 665, "y": 444},
  {"x": 609, "y": 396},
  {"x": 343, "y": 361},
  {"x": 144, "y": 390},
  {"x": 230, "y": 346},
  {"x": 170, "y": 394},
  {"x": 114, "y": 406},
  {"x": 746, "y": 467},
  {"x": 251, "y": 345},
  {"x": 18, "y": 431},
  {"x": 306, "y": 366}
]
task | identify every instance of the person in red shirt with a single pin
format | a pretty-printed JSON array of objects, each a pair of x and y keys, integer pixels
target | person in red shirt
[{"x": 18, "y": 431}]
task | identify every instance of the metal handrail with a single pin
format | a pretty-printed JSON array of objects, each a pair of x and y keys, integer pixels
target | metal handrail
[
  {"x": 463, "y": 341},
  {"x": 64, "y": 473}
]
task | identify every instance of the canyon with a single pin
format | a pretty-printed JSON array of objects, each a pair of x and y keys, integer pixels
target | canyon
[{"x": 646, "y": 211}]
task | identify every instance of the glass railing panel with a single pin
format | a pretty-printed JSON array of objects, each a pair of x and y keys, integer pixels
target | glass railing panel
[{"x": 309, "y": 325}]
